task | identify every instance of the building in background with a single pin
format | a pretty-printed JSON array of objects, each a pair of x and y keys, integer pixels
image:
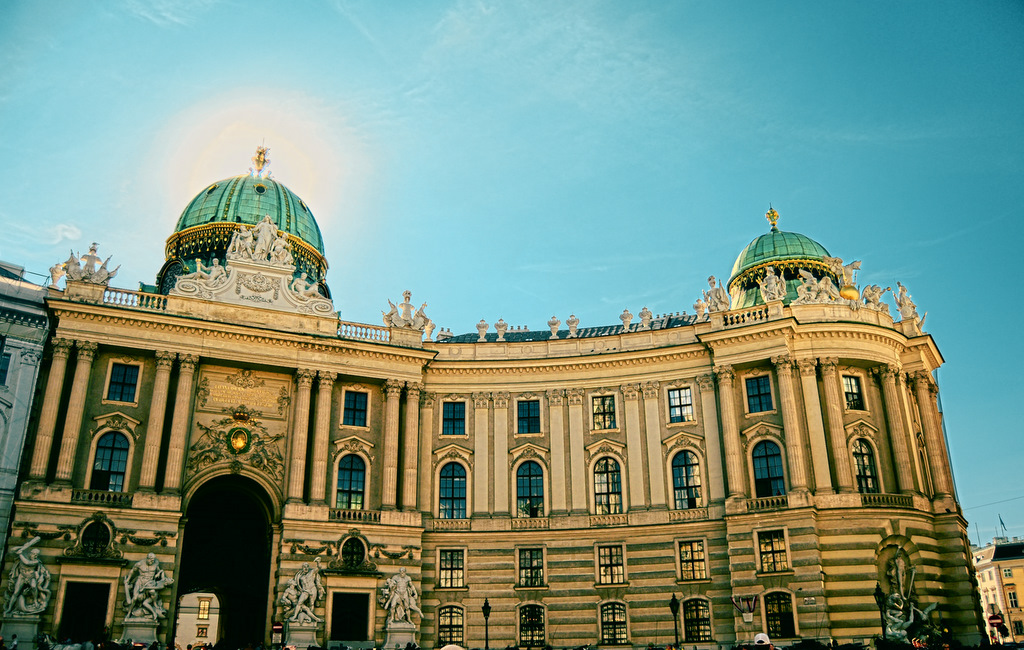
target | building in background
[
  {"x": 999, "y": 567},
  {"x": 765, "y": 462}
]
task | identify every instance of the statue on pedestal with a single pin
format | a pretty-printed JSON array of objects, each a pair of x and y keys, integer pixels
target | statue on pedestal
[
  {"x": 772, "y": 286},
  {"x": 142, "y": 588},
  {"x": 302, "y": 592},
  {"x": 399, "y": 598},
  {"x": 28, "y": 585},
  {"x": 717, "y": 298}
]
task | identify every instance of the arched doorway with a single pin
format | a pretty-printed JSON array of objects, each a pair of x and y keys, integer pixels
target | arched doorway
[{"x": 226, "y": 551}]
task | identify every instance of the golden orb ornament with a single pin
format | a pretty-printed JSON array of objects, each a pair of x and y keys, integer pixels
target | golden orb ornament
[{"x": 850, "y": 292}]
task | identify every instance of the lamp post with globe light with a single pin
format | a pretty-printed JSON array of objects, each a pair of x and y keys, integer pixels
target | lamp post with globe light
[
  {"x": 486, "y": 609},
  {"x": 673, "y": 605}
]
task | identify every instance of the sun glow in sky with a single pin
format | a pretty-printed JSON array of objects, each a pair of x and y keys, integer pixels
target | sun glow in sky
[{"x": 519, "y": 159}]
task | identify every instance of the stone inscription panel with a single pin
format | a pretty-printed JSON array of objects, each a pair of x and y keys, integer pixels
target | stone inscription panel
[{"x": 221, "y": 390}]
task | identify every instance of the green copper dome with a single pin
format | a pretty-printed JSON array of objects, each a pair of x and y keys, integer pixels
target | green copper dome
[{"x": 786, "y": 253}]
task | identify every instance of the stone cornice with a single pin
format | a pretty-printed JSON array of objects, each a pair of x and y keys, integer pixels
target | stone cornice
[{"x": 562, "y": 364}]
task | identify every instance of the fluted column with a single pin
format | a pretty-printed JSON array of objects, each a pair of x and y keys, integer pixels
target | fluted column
[
  {"x": 577, "y": 462},
  {"x": 730, "y": 432},
  {"x": 426, "y": 480},
  {"x": 791, "y": 424},
  {"x": 713, "y": 437},
  {"x": 559, "y": 487},
  {"x": 897, "y": 431},
  {"x": 410, "y": 444},
  {"x": 815, "y": 426},
  {"x": 655, "y": 456},
  {"x": 836, "y": 431},
  {"x": 481, "y": 453},
  {"x": 179, "y": 423},
  {"x": 300, "y": 429},
  {"x": 321, "y": 438},
  {"x": 48, "y": 413},
  {"x": 389, "y": 488},
  {"x": 155, "y": 427},
  {"x": 76, "y": 407},
  {"x": 634, "y": 445},
  {"x": 500, "y": 451},
  {"x": 938, "y": 462}
]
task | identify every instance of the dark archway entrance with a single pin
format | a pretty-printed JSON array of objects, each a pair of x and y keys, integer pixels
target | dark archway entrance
[{"x": 226, "y": 550}]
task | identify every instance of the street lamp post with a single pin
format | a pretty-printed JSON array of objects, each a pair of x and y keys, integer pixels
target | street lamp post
[
  {"x": 880, "y": 601},
  {"x": 673, "y": 605},
  {"x": 486, "y": 609}
]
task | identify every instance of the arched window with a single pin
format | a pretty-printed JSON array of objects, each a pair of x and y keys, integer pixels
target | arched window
[
  {"x": 351, "y": 482},
  {"x": 110, "y": 463},
  {"x": 768, "y": 479},
  {"x": 449, "y": 626},
  {"x": 352, "y": 553},
  {"x": 864, "y": 459},
  {"x": 778, "y": 609},
  {"x": 696, "y": 620},
  {"x": 607, "y": 487},
  {"x": 613, "y": 624},
  {"x": 686, "y": 480},
  {"x": 452, "y": 502},
  {"x": 529, "y": 490},
  {"x": 531, "y": 626},
  {"x": 95, "y": 539}
]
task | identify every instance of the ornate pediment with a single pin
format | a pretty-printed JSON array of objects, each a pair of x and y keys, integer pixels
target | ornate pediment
[
  {"x": 528, "y": 451},
  {"x": 762, "y": 430},
  {"x": 453, "y": 452},
  {"x": 353, "y": 444},
  {"x": 237, "y": 443},
  {"x": 683, "y": 439},
  {"x": 606, "y": 446},
  {"x": 116, "y": 421},
  {"x": 861, "y": 428}
]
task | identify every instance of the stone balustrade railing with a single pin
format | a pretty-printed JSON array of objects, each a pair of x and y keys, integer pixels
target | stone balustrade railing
[
  {"x": 690, "y": 514},
  {"x": 886, "y": 501},
  {"x": 609, "y": 520},
  {"x": 451, "y": 524},
  {"x": 362, "y": 516},
  {"x": 363, "y": 332},
  {"x": 529, "y": 523},
  {"x": 101, "y": 497},
  {"x": 135, "y": 299},
  {"x": 767, "y": 503}
]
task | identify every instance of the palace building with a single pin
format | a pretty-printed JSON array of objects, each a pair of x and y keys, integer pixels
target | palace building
[{"x": 764, "y": 463}]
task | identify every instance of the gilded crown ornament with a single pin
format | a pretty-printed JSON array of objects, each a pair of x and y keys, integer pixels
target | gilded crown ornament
[{"x": 772, "y": 216}]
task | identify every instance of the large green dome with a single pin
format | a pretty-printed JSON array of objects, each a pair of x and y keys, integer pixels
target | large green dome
[{"x": 786, "y": 253}]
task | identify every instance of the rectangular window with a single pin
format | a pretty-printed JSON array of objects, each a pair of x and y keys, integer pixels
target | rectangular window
[
  {"x": 204, "y": 609},
  {"x": 772, "y": 545},
  {"x": 529, "y": 416},
  {"x": 854, "y": 398},
  {"x": 604, "y": 412},
  {"x": 1007, "y": 573},
  {"x": 759, "y": 394},
  {"x": 123, "y": 380},
  {"x": 610, "y": 568},
  {"x": 531, "y": 567},
  {"x": 692, "y": 563},
  {"x": 680, "y": 405},
  {"x": 1018, "y": 627},
  {"x": 453, "y": 419},
  {"x": 613, "y": 624},
  {"x": 355, "y": 409},
  {"x": 451, "y": 573},
  {"x": 1011, "y": 598},
  {"x": 5, "y": 364}
]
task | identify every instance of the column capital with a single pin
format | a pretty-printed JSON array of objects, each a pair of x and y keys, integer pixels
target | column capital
[
  {"x": 725, "y": 375},
  {"x": 888, "y": 372},
  {"x": 62, "y": 348},
  {"x": 164, "y": 360},
  {"x": 304, "y": 377},
  {"x": 706, "y": 383},
  {"x": 630, "y": 392},
  {"x": 187, "y": 362},
  {"x": 392, "y": 389},
  {"x": 555, "y": 396},
  {"x": 427, "y": 399},
  {"x": 651, "y": 389},
  {"x": 86, "y": 350},
  {"x": 501, "y": 399},
  {"x": 326, "y": 378},
  {"x": 412, "y": 390},
  {"x": 783, "y": 361},
  {"x": 575, "y": 396},
  {"x": 481, "y": 400},
  {"x": 829, "y": 366},
  {"x": 807, "y": 366}
]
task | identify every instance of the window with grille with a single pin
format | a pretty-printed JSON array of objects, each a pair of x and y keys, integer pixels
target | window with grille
[
  {"x": 607, "y": 487},
  {"x": 529, "y": 416},
  {"x": 530, "y": 490},
  {"x": 611, "y": 569},
  {"x": 759, "y": 394},
  {"x": 613, "y": 624},
  {"x": 123, "y": 380},
  {"x": 453, "y": 419},
  {"x": 351, "y": 483},
  {"x": 772, "y": 548},
  {"x": 352, "y": 553},
  {"x": 604, "y": 412},
  {"x": 451, "y": 572},
  {"x": 680, "y": 405},
  {"x": 531, "y": 567},
  {"x": 768, "y": 476},
  {"x": 854, "y": 396},
  {"x": 686, "y": 480},
  {"x": 452, "y": 487},
  {"x": 696, "y": 620},
  {"x": 355, "y": 409},
  {"x": 692, "y": 562}
]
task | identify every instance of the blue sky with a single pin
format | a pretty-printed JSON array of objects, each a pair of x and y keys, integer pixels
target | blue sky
[{"x": 521, "y": 159}]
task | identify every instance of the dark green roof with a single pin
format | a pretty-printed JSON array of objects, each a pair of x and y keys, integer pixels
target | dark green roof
[
  {"x": 777, "y": 246},
  {"x": 246, "y": 199}
]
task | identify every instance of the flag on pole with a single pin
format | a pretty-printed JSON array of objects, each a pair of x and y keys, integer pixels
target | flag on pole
[{"x": 1001, "y": 522}]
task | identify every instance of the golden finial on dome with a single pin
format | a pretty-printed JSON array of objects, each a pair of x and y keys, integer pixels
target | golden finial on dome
[
  {"x": 260, "y": 160},
  {"x": 772, "y": 216}
]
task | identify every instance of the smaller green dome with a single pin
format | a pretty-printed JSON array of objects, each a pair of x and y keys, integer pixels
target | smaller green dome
[{"x": 777, "y": 246}]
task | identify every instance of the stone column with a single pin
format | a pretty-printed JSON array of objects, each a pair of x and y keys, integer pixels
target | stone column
[
  {"x": 836, "y": 430},
  {"x": 938, "y": 463},
  {"x": 655, "y": 457},
  {"x": 321, "y": 438},
  {"x": 48, "y": 413},
  {"x": 179, "y": 423},
  {"x": 389, "y": 488},
  {"x": 155, "y": 426},
  {"x": 300, "y": 429},
  {"x": 500, "y": 481},
  {"x": 426, "y": 480},
  {"x": 730, "y": 433},
  {"x": 481, "y": 453},
  {"x": 815, "y": 426},
  {"x": 791, "y": 424},
  {"x": 713, "y": 437},
  {"x": 577, "y": 461},
  {"x": 897, "y": 430},
  {"x": 634, "y": 446},
  {"x": 559, "y": 487},
  {"x": 76, "y": 407},
  {"x": 410, "y": 444}
]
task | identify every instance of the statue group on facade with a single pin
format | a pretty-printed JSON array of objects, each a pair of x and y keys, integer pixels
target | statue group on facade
[
  {"x": 904, "y": 621},
  {"x": 301, "y": 594},
  {"x": 399, "y": 598},
  {"x": 260, "y": 243},
  {"x": 772, "y": 286},
  {"x": 142, "y": 588},
  {"x": 28, "y": 584},
  {"x": 402, "y": 315},
  {"x": 83, "y": 268}
]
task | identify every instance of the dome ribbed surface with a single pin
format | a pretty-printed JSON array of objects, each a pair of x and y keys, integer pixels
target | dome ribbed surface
[{"x": 777, "y": 246}]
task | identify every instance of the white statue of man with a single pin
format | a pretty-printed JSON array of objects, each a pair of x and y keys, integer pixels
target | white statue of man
[
  {"x": 241, "y": 244},
  {"x": 717, "y": 298},
  {"x": 401, "y": 598},
  {"x": 266, "y": 233},
  {"x": 28, "y": 584},
  {"x": 772, "y": 286},
  {"x": 142, "y": 588},
  {"x": 908, "y": 310},
  {"x": 302, "y": 593}
]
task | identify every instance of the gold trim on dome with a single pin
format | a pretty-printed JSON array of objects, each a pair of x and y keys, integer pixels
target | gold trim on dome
[
  {"x": 756, "y": 272},
  {"x": 186, "y": 244}
]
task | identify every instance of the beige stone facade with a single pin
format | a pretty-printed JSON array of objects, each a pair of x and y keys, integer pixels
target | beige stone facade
[{"x": 999, "y": 567}]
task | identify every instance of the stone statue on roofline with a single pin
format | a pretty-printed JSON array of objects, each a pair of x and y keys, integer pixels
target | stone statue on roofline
[
  {"x": 906, "y": 306},
  {"x": 716, "y": 298},
  {"x": 402, "y": 315},
  {"x": 83, "y": 268},
  {"x": 772, "y": 286}
]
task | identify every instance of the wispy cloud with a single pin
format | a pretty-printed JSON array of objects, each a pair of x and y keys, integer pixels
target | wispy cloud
[{"x": 167, "y": 13}]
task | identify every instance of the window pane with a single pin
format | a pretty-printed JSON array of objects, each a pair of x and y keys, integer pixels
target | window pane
[
  {"x": 778, "y": 609},
  {"x": 697, "y": 620},
  {"x": 351, "y": 482},
  {"x": 531, "y": 567},
  {"x": 450, "y": 573},
  {"x": 449, "y": 626},
  {"x": 355, "y": 409},
  {"x": 686, "y": 480},
  {"x": 110, "y": 463},
  {"x": 613, "y": 624},
  {"x": 768, "y": 476},
  {"x": 529, "y": 490},
  {"x": 123, "y": 379},
  {"x": 531, "y": 625},
  {"x": 604, "y": 412},
  {"x": 452, "y": 488},
  {"x": 680, "y": 405},
  {"x": 610, "y": 569},
  {"x": 854, "y": 398},
  {"x": 772, "y": 545},
  {"x": 864, "y": 460},
  {"x": 607, "y": 487},
  {"x": 759, "y": 394},
  {"x": 529, "y": 416},
  {"x": 692, "y": 564},
  {"x": 453, "y": 419}
]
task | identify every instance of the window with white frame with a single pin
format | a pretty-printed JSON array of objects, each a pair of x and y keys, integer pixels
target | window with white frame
[
  {"x": 451, "y": 569},
  {"x": 613, "y": 624},
  {"x": 1007, "y": 573},
  {"x": 680, "y": 405},
  {"x": 528, "y": 416},
  {"x": 759, "y": 394},
  {"x": 771, "y": 546},
  {"x": 604, "y": 411},
  {"x": 122, "y": 382},
  {"x": 692, "y": 560},
  {"x": 611, "y": 566},
  {"x": 355, "y": 408},
  {"x": 853, "y": 393},
  {"x": 697, "y": 620}
]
